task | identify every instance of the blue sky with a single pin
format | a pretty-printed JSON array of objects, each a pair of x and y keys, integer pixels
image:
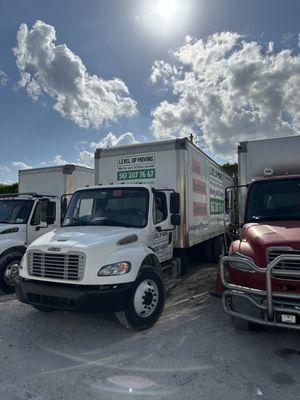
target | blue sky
[{"x": 119, "y": 42}]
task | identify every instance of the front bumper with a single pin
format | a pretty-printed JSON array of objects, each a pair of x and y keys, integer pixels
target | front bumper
[
  {"x": 74, "y": 297},
  {"x": 265, "y": 307}
]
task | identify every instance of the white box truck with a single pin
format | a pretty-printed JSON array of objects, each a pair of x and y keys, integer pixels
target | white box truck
[
  {"x": 261, "y": 273},
  {"x": 33, "y": 211},
  {"x": 121, "y": 240}
]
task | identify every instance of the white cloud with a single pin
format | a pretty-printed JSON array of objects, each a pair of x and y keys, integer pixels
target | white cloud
[
  {"x": 111, "y": 140},
  {"x": 230, "y": 89},
  {"x": 46, "y": 68},
  {"x": 164, "y": 73},
  {"x": 86, "y": 156},
  {"x": 3, "y": 78},
  {"x": 21, "y": 165},
  {"x": 4, "y": 169},
  {"x": 57, "y": 160}
]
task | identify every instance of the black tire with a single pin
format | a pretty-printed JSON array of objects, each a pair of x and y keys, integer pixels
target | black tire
[
  {"x": 241, "y": 324},
  {"x": 6, "y": 284},
  {"x": 44, "y": 308},
  {"x": 218, "y": 248},
  {"x": 209, "y": 251},
  {"x": 151, "y": 279}
]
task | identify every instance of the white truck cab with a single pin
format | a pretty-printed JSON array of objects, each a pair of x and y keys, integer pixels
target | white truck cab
[
  {"x": 121, "y": 240},
  {"x": 23, "y": 218},
  {"x": 112, "y": 237},
  {"x": 34, "y": 211}
]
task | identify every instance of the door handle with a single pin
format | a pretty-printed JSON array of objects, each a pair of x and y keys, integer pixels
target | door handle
[{"x": 170, "y": 237}]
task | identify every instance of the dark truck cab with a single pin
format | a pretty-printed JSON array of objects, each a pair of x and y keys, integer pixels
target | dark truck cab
[{"x": 261, "y": 273}]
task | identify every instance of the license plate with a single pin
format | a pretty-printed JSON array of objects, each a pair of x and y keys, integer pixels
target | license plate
[{"x": 290, "y": 319}]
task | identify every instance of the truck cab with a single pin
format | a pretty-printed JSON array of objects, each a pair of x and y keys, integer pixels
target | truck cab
[
  {"x": 261, "y": 273},
  {"x": 111, "y": 252},
  {"x": 23, "y": 218}
]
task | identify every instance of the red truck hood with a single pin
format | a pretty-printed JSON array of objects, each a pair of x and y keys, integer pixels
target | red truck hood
[
  {"x": 275, "y": 233},
  {"x": 257, "y": 237}
]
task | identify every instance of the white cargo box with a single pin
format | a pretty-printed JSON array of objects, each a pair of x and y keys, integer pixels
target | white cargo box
[
  {"x": 55, "y": 181},
  {"x": 279, "y": 154},
  {"x": 174, "y": 164}
]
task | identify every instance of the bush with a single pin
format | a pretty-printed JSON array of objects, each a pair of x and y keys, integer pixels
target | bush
[{"x": 13, "y": 188}]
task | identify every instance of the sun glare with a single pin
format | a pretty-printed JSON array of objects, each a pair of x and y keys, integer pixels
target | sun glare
[
  {"x": 166, "y": 8},
  {"x": 165, "y": 16}
]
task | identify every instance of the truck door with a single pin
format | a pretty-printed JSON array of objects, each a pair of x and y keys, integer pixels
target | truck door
[
  {"x": 162, "y": 236},
  {"x": 44, "y": 218}
]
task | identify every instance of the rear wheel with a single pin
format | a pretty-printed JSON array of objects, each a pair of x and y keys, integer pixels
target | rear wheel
[
  {"x": 9, "y": 269},
  {"x": 147, "y": 301}
]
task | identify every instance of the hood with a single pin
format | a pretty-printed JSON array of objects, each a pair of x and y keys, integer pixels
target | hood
[
  {"x": 280, "y": 233},
  {"x": 83, "y": 236},
  {"x": 258, "y": 237}
]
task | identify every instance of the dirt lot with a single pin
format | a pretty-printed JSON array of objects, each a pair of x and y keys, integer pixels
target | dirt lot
[{"x": 192, "y": 353}]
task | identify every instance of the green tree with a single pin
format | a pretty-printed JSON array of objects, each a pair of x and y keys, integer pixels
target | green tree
[
  {"x": 13, "y": 188},
  {"x": 231, "y": 169}
]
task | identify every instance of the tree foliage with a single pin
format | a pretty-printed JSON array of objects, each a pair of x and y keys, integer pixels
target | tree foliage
[
  {"x": 13, "y": 188},
  {"x": 231, "y": 169}
]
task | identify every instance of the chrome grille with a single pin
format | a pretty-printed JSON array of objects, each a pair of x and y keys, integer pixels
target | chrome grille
[
  {"x": 69, "y": 266},
  {"x": 289, "y": 266}
]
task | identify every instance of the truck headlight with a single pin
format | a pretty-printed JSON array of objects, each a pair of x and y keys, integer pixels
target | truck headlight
[
  {"x": 120, "y": 268},
  {"x": 242, "y": 263}
]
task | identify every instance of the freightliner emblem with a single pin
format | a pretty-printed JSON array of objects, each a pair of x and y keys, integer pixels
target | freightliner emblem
[{"x": 54, "y": 249}]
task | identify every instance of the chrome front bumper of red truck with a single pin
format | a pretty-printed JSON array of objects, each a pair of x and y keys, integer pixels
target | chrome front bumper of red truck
[{"x": 265, "y": 307}]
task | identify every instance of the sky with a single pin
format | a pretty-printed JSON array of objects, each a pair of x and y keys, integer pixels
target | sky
[{"x": 77, "y": 75}]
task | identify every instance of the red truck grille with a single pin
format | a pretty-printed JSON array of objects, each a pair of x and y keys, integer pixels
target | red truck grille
[{"x": 290, "y": 265}]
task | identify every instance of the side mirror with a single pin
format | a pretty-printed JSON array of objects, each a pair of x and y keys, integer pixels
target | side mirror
[
  {"x": 175, "y": 219},
  {"x": 225, "y": 219},
  {"x": 174, "y": 203},
  {"x": 43, "y": 224}
]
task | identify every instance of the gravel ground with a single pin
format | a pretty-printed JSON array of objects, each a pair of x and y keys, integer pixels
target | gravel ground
[{"x": 192, "y": 353}]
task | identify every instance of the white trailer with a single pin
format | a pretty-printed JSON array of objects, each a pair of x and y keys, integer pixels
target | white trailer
[
  {"x": 121, "y": 240},
  {"x": 35, "y": 210},
  {"x": 55, "y": 181},
  {"x": 178, "y": 165}
]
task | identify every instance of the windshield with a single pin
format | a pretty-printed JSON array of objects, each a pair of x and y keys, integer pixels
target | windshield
[
  {"x": 274, "y": 200},
  {"x": 15, "y": 211},
  {"x": 109, "y": 206}
]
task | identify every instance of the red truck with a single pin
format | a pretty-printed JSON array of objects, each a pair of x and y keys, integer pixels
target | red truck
[{"x": 261, "y": 273}]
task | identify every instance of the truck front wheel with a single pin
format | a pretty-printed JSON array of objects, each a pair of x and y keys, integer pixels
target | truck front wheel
[
  {"x": 147, "y": 302},
  {"x": 9, "y": 268}
]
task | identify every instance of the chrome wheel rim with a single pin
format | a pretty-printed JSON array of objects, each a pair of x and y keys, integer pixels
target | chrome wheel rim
[
  {"x": 146, "y": 298},
  {"x": 10, "y": 273}
]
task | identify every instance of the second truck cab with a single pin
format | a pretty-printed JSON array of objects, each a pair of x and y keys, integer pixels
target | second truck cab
[{"x": 261, "y": 273}]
